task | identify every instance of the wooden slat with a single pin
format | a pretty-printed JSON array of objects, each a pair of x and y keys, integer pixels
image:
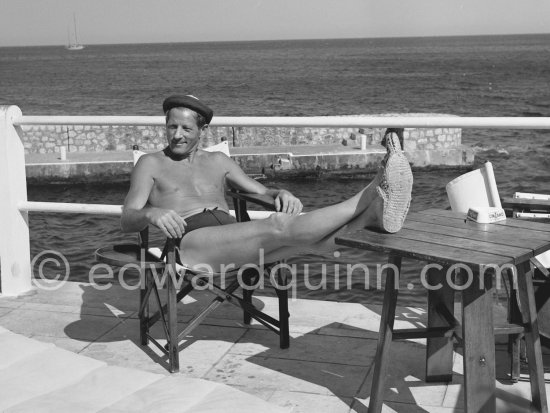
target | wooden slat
[
  {"x": 508, "y": 329},
  {"x": 532, "y": 338},
  {"x": 387, "y": 318},
  {"x": 504, "y": 238},
  {"x": 441, "y": 212},
  {"x": 432, "y": 332},
  {"x": 449, "y": 332},
  {"x": 517, "y": 254},
  {"x": 439, "y": 351},
  {"x": 523, "y": 224},
  {"x": 538, "y": 241},
  {"x": 420, "y": 250},
  {"x": 454, "y": 221},
  {"x": 508, "y": 222},
  {"x": 479, "y": 348},
  {"x": 282, "y": 296},
  {"x": 172, "y": 313}
]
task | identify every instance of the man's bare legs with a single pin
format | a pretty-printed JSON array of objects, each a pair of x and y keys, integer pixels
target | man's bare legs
[
  {"x": 383, "y": 204},
  {"x": 240, "y": 243},
  {"x": 388, "y": 210},
  {"x": 368, "y": 218}
]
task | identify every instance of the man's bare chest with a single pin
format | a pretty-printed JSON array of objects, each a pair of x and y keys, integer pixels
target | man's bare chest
[{"x": 190, "y": 180}]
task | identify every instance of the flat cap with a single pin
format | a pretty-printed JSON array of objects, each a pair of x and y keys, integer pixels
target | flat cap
[{"x": 190, "y": 102}]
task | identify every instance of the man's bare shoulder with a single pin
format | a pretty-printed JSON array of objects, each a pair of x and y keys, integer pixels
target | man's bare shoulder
[
  {"x": 151, "y": 159},
  {"x": 149, "y": 164},
  {"x": 215, "y": 156}
]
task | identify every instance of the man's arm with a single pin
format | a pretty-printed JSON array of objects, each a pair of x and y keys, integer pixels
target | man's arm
[
  {"x": 236, "y": 178},
  {"x": 137, "y": 214}
]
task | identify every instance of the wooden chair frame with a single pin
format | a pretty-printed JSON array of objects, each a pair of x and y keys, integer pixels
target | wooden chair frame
[{"x": 166, "y": 312}]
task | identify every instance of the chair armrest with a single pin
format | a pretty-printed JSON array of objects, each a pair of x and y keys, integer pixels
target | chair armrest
[
  {"x": 264, "y": 201},
  {"x": 241, "y": 198}
]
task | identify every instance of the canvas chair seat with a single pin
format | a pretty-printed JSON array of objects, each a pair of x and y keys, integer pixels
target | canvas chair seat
[{"x": 177, "y": 282}]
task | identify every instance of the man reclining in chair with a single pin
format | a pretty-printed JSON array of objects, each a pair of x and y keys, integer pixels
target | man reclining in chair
[{"x": 181, "y": 191}]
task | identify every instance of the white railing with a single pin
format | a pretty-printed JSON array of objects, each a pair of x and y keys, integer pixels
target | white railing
[
  {"x": 14, "y": 206},
  {"x": 313, "y": 121},
  {"x": 66, "y": 207},
  {"x": 101, "y": 209}
]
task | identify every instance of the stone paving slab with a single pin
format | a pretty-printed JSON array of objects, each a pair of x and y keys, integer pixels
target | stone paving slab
[
  {"x": 310, "y": 347},
  {"x": 259, "y": 372},
  {"x": 14, "y": 348},
  {"x": 310, "y": 402},
  {"x": 76, "y": 346},
  {"x": 97, "y": 390},
  {"x": 33, "y": 376},
  {"x": 405, "y": 377},
  {"x": 329, "y": 362},
  {"x": 4, "y": 311},
  {"x": 40, "y": 377},
  {"x": 181, "y": 394},
  {"x": 32, "y": 322}
]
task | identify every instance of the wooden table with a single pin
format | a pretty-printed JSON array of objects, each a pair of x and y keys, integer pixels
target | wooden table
[{"x": 447, "y": 241}]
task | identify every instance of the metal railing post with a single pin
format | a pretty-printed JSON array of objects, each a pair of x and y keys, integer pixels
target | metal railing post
[{"x": 15, "y": 276}]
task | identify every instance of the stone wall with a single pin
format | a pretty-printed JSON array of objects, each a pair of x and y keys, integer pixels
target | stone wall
[
  {"x": 48, "y": 139},
  {"x": 415, "y": 139}
]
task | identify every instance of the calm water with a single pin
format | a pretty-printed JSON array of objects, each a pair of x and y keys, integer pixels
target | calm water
[{"x": 469, "y": 76}]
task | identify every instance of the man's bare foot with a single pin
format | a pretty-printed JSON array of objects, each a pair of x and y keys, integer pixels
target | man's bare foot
[{"x": 395, "y": 186}]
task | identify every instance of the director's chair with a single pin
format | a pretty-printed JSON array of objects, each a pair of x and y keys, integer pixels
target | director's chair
[{"x": 174, "y": 275}]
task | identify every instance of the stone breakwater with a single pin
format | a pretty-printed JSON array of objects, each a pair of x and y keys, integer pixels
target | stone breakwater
[
  {"x": 271, "y": 151},
  {"x": 43, "y": 139}
]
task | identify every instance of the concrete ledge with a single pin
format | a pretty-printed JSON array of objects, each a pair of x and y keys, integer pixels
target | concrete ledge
[{"x": 280, "y": 162}]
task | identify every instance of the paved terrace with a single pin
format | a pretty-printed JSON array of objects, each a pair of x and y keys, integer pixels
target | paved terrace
[{"x": 327, "y": 368}]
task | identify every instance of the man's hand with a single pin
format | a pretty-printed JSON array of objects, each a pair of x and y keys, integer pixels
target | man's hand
[
  {"x": 168, "y": 221},
  {"x": 287, "y": 203}
]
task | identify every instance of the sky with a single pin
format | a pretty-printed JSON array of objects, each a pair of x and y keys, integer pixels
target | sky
[{"x": 47, "y": 22}]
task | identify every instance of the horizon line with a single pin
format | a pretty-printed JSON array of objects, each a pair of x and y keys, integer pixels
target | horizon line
[{"x": 289, "y": 40}]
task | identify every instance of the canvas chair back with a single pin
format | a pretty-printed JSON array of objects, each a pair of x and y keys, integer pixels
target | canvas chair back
[{"x": 220, "y": 147}]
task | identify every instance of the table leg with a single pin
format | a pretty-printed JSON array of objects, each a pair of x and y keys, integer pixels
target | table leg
[
  {"x": 514, "y": 340},
  {"x": 439, "y": 350},
  {"x": 479, "y": 342},
  {"x": 532, "y": 338},
  {"x": 385, "y": 336}
]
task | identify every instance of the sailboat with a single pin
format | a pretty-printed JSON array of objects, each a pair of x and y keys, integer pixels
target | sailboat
[{"x": 74, "y": 45}]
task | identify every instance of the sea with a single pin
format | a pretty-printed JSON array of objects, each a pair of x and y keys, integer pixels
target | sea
[{"x": 465, "y": 76}]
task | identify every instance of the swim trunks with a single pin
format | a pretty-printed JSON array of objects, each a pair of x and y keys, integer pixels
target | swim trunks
[{"x": 208, "y": 218}]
